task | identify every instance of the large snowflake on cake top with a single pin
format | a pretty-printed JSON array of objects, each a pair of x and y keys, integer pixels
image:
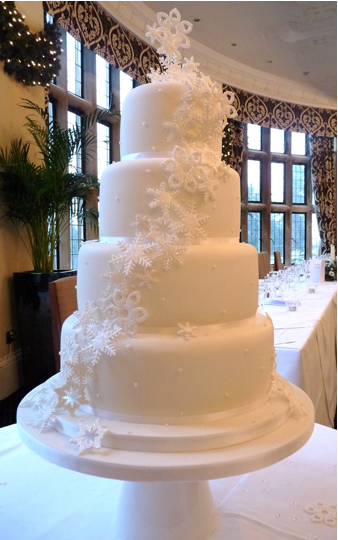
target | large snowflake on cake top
[{"x": 171, "y": 34}]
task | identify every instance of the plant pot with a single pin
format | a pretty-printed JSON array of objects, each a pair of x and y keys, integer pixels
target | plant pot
[{"x": 35, "y": 327}]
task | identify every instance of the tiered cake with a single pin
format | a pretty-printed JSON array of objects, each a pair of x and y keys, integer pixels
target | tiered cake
[{"x": 167, "y": 333}]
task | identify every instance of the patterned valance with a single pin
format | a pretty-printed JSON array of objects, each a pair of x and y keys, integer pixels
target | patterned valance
[
  {"x": 273, "y": 113},
  {"x": 101, "y": 33},
  {"x": 90, "y": 24}
]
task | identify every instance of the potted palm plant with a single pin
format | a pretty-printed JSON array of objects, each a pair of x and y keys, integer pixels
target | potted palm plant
[{"x": 38, "y": 195}]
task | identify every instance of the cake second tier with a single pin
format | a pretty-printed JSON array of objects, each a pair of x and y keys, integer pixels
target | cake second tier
[{"x": 217, "y": 283}]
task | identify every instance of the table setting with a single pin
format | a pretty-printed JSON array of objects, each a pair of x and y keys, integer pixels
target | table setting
[{"x": 304, "y": 315}]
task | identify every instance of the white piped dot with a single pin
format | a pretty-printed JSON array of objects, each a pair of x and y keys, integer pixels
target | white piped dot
[
  {"x": 128, "y": 346},
  {"x": 226, "y": 394},
  {"x": 117, "y": 199},
  {"x": 214, "y": 267},
  {"x": 163, "y": 299},
  {"x": 148, "y": 171},
  {"x": 136, "y": 384},
  {"x": 246, "y": 350},
  {"x": 153, "y": 147},
  {"x": 97, "y": 395},
  {"x": 180, "y": 370},
  {"x": 144, "y": 124},
  {"x": 160, "y": 90}
]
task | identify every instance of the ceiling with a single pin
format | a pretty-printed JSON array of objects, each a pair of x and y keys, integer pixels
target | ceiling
[
  {"x": 293, "y": 40},
  {"x": 282, "y": 49}
]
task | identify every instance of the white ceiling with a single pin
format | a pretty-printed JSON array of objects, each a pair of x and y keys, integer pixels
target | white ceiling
[{"x": 286, "y": 50}]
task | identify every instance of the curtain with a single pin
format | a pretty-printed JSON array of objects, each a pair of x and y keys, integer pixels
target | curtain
[
  {"x": 236, "y": 140},
  {"x": 324, "y": 183}
]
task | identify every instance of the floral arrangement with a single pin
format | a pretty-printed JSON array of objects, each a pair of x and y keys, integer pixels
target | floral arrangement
[{"x": 330, "y": 270}]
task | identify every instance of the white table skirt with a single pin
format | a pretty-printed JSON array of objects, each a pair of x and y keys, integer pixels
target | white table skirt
[
  {"x": 41, "y": 501},
  {"x": 306, "y": 350}
]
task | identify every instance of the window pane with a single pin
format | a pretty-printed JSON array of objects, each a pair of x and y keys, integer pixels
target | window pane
[
  {"x": 277, "y": 141},
  {"x": 254, "y": 137},
  {"x": 298, "y": 144},
  {"x": 254, "y": 230},
  {"x": 298, "y": 238},
  {"x": 50, "y": 111},
  {"x": 315, "y": 237},
  {"x": 254, "y": 180},
  {"x": 298, "y": 184},
  {"x": 76, "y": 224},
  {"x": 102, "y": 82},
  {"x": 126, "y": 84},
  {"x": 74, "y": 74},
  {"x": 277, "y": 182},
  {"x": 77, "y": 233},
  {"x": 76, "y": 161},
  {"x": 277, "y": 235},
  {"x": 103, "y": 148}
]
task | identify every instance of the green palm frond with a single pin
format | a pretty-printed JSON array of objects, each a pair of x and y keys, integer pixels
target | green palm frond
[{"x": 40, "y": 196}]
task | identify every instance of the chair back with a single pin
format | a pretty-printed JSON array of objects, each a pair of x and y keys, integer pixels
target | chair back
[
  {"x": 278, "y": 261},
  {"x": 263, "y": 264},
  {"x": 63, "y": 302}
]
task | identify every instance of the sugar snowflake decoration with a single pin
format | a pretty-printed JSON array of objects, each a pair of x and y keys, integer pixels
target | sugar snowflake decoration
[
  {"x": 191, "y": 223},
  {"x": 133, "y": 254},
  {"x": 102, "y": 340},
  {"x": 127, "y": 312},
  {"x": 186, "y": 330},
  {"x": 89, "y": 436},
  {"x": 70, "y": 397},
  {"x": 185, "y": 169},
  {"x": 322, "y": 513},
  {"x": 169, "y": 254},
  {"x": 163, "y": 198},
  {"x": 171, "y": 34}
]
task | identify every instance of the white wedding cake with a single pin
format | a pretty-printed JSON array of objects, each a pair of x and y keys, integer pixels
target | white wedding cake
[{"x": 167, "y": 350}]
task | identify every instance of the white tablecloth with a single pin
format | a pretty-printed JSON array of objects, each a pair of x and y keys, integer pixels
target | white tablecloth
[
  {"x": 41, "y": 501},
  {"x": 305, "y": 343}
]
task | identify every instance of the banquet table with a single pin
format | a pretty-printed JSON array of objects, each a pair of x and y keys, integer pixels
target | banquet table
[
  {"x": 41, "y": 501},
  {"x": 305, "y": 342}
]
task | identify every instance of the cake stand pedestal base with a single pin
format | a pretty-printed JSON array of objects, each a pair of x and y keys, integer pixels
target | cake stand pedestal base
[{"x": 166, "y": 511}]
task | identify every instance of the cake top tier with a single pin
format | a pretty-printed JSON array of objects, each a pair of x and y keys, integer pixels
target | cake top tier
[{"x": 181, "y": 107}]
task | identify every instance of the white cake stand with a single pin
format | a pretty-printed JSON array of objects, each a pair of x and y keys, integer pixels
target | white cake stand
[{"x": 166, "y": 496}]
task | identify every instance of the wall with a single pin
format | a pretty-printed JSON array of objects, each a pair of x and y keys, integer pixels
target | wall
[{"x": 13, "y": 256}]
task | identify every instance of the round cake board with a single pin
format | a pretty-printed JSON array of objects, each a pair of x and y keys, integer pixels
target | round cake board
[{"x": 167, "y": 495}]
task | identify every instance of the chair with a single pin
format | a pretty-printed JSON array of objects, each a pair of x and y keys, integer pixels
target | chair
[
  {"x": 263, "y": 264},
  {"x": 278, "y": 261},
  {"x": 63, "y": 302}
]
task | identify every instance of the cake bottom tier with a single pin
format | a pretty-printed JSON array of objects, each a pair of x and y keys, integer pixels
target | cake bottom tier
[{"x": 220, "y": 372}]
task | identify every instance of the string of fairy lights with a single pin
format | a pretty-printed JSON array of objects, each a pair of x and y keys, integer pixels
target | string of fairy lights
[{"x": 33, "y": 59}]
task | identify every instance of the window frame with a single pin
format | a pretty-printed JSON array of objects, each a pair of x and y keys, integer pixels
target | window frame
[
  {"x": 266, "y": 206},
  {"x": 64, "y": 101}
]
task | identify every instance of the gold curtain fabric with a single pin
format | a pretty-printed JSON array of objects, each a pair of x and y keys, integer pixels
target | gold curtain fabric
[{"x": 323, "y": 173}]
